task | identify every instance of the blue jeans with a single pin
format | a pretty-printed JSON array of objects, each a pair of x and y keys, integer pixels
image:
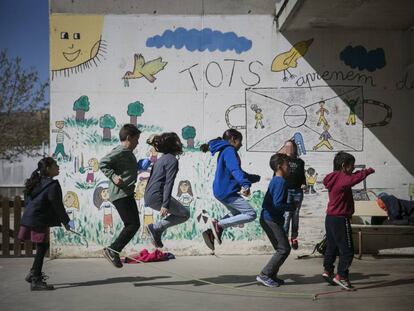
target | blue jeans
[
  {"x": 240, "y": 210},
  {"x": 295, "y": 196},
  {"x": 177, "y": 214}
]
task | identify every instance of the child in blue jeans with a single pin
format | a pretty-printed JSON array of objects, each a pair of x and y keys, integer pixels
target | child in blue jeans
[
  {"x": 272, "y": 220},
  {"x": 229, "y": 180}
]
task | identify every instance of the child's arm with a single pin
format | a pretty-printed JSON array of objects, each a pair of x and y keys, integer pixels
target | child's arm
[
  {"x": 232, "y": 163},
  {"x": 171, "y": 170},
  {"x": 106, "y": 166},
  {"x": 252, "y": 177},
  {"x": 278, "y": 192},
  {"x": 56, "y": 199},
  {"x": 359, "y": 176}
]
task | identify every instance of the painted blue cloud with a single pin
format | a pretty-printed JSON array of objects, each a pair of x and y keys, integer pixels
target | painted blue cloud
[
  {"x": 200, "y": 40},
  {"x": 359, "y": 57}
]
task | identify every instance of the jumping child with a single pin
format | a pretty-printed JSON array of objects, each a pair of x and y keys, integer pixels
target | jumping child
[
  {"x": 294, "y": 182},
  {"x": 272, "y": 220},
  {"x": 120, "y": 167},
  {"x": 160, "y": 184},
  {"x": 338, "y": 215},
  {"x": 229, "y": 180},
  {"x": 44, "y": 209}
]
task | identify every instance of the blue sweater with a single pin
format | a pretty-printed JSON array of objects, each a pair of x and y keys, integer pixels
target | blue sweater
[
  {"x": 229, "y": 177},
  {"x": 274, "y": 203}
]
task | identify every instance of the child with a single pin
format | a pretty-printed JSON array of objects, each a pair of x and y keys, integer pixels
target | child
[
  {"x": 339, "y": 211},
  {"x": 120, "y": 166},
  {"x": 229, "y": 180},
  {"x": 44, "y": 209},
  {"x": 271, "y": 219},
  {"x": 294, "y": 182},
  {"x": 160, "y": 184}
]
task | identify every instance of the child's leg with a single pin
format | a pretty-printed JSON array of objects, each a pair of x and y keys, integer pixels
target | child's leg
[
  {"x": 41, "y": 249},
  {"x": 345, "y": 245},
  {"x": 279, "y": 240},
  {"x": 331, "y": 246},
  {"x": 128, "y": 211},
  {"x": 178, "y": 214},
  {"x": 297, "y": 199},
  {"x": 241, "y": 210}
]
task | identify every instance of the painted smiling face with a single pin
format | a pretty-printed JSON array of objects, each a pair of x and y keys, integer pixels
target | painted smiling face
[{"x": 75, "y": 42}]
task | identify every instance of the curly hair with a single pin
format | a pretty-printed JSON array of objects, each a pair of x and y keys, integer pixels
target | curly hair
[{"x": 167, "y": 143}]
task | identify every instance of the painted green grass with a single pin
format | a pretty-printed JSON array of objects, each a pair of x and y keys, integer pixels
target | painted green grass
[
  {"x": 71, "y": 122},
  {"x": 149, "y": 128},
  {"x": 94, "y": 138},
  {"x": 83, "y": 185}
]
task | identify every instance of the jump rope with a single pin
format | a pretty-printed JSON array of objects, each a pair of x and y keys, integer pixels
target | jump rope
[{"x": 193, "y": 278}]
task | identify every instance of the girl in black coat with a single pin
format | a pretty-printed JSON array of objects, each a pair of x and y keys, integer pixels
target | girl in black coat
[{"x": 43, "y": 209}]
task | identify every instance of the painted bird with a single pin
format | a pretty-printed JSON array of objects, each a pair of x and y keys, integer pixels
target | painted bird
[
  {"x": 145, "y": 69},
  {"x": 286, "y": 60}
]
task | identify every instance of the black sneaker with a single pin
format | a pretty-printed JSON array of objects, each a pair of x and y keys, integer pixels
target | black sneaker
[
  {"x": 216, "y": 230},
  {"x": 29, "y": 276},
  {"x": 155, "y": 236},
  {"x": 343, "y": 282},
  {"x": 209, "y": 239},
  {"x": 328, "y": 277},
  {"x": 38, "y": 284},
  {"x": 112, "y": 257},
  {"x": 277, "y": 280}
]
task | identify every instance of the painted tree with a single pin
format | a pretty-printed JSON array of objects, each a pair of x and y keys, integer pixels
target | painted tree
[
  {"x": 135, "y": 109},
  {"x": 81, "y": 105},
  {"x": 107, "y": 122},
  {"x": 189, "y": 133},
  {"x": 24, "y": 111}
]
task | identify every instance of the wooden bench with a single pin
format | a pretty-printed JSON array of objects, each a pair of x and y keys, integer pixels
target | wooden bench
[{"x": 370, "y": 238}]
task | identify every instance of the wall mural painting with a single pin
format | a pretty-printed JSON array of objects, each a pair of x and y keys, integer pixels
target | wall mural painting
[
  {"x": 359, "y": 57},
  {"x": 76, "y": 43},
  {"x": 286, "y": 60},
  {"x": 148, "y": 69}
]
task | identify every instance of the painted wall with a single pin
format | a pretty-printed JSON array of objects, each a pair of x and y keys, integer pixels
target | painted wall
[{"x": 198, "y": 76}]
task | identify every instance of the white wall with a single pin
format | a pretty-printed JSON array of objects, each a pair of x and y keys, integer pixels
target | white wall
[{"x": 174, "y": 101}]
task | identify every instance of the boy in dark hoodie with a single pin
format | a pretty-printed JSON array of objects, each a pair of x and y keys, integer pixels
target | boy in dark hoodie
[
  {"x": 229, "y": 180},
  {"x": 338, "y": 214}
]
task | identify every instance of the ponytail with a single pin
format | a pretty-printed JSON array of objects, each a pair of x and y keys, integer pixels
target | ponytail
[
  {"x": 204, "y": 148},
  {"x": 36, "y": 177}
]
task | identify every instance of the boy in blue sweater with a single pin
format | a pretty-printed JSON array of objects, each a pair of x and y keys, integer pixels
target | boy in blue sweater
[{"x": 272, "y": 219}]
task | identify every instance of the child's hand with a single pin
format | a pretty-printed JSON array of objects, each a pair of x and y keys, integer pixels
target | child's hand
[
  {"x": 163, "y": 211},
  {"x": 117, "y": 180},
  {"x": 245, "y": 191},
  {"x": 371, "y": 170},
  {"x": 67, "y": 227}
]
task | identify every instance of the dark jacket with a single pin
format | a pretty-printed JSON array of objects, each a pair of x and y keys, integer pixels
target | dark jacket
[
  {"x": 296, "y": 177},
  {"x": 339, "y": 185},
  {"x": 229, "y": 177},
  {"x": 44, "y": 206}
]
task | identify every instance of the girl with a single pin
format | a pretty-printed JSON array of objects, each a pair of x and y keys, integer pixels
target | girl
[
  {"x": 185, "y": 193},
  {"x": 93, "y": 167},
  {"x": 101, "y": 201},
  {"x": 44, "y": 209},
  {"x": 71, "y": 202},
  {"x": 229, "y": 180},
  {"x": 337, "y": 222},
  {"x": 160, "y": 184},
  {"x": 295, "y": 182}
]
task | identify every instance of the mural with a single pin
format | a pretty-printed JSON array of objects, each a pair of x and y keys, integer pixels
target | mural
[
  {"x": 215, "y": 79},
  {"x": 76, "y": 43},
  {"x": 148, "y": 70},
  {"x": 200, "y": 40},
  {"x": 359, "y": 57},
  {"x": 289, "y": 59}
]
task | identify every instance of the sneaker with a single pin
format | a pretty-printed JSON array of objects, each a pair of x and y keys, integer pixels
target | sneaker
[
  {"x": 329, "y": 276},
  {"x": 294, "y": 243},
  {"x": 38, "y": 284},
  {"x": 112, "y": 257},
  {"x": 277, "y": 280},
  {"x": 209, "y": 239},
  {"x": 343, "y": 282},
  {"x": 217, "y": 230},
  {"x": 29, "y": 276},
  {"x": 155, "y": 236},
  {"x": 266, "y": 281}
]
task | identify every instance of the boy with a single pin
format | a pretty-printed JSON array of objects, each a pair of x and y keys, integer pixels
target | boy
[
  {"x": 272, "y": 220},
  {"x": 340, "y": 209},
  {"x": 120, "y": 166}
]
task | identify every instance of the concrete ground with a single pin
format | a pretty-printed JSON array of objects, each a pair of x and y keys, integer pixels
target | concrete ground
[{"x": 384, "y": 283}]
